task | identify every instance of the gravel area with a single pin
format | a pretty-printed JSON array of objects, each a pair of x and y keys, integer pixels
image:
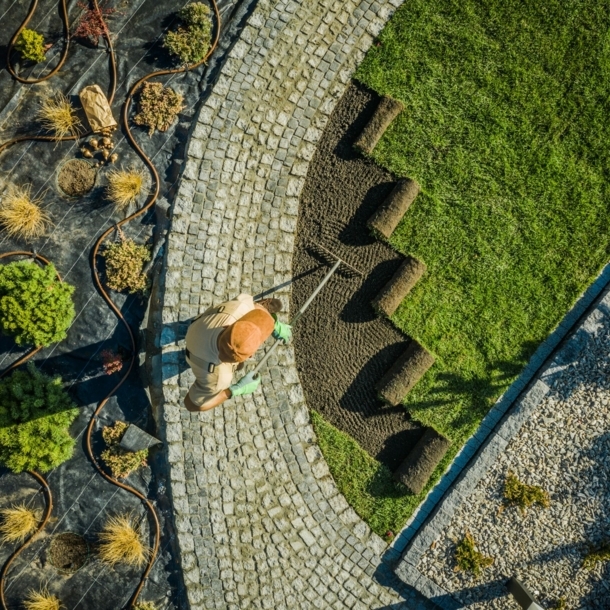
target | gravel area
[{"x": 564, "y": 448}]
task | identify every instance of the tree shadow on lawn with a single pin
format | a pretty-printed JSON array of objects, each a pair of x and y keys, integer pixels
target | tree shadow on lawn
[{"x": 479, "y": 393}]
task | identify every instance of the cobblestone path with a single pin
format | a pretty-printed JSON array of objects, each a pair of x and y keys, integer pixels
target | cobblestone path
[{"x": 260, "y": 522}]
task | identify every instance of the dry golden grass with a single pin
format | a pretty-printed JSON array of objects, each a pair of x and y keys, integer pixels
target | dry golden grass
[
  {"x": 42, "y": 600},
  {"x": 120, "y": 541},
  {"x": 124, "y": 185},
  {"x": 58, "y": 115},
  {"x": 21, "y": 214},
  {"x": 18, "y": 523}
]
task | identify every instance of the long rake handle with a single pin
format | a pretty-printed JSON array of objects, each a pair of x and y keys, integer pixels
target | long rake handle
[{"x": 299, "y": 313}]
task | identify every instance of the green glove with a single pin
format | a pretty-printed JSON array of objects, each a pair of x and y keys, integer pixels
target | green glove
[
  {"x": 246, "y": 385},
  {"x": 282, "y": 331}
]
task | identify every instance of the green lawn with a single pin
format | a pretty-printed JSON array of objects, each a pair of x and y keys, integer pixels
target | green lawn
[{"x": 507, "y": 129}]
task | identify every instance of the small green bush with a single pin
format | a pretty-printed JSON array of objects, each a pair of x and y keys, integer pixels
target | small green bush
[
  {"x": 35, "y": 414},
  {"x": 190, "y": 44},
  {"x": 522, "y": 495},
  {"x": 121, "y": 461},
  {"x": 35, "y": 307},
  {"x": 596, "y": 555},
  {"x": 468, "y": 558},
  {"x": 30, "y": 45},
  {"x": 125, "y": 266}
]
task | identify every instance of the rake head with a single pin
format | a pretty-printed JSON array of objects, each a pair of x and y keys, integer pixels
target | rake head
[{"x": 325, "y": 256}]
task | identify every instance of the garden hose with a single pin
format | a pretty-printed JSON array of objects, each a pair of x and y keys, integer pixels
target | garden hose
[
  {"x": 153, "y": 195},
  {"x": 47, "y": 513},
  {"x": 64, "y": 53},
  {"x": 94, "y": 254},
  {"x": 45, "y": 486}
]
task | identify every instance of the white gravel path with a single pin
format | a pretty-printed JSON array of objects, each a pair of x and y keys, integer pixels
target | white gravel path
[{"x": 565, "y": 448}]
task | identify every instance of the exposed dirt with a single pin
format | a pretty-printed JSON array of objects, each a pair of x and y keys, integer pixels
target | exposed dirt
[
  {"x": 76, "y": 177},
  {"x": 68, "y": 552},
  {"x": 342, "y": 347}
]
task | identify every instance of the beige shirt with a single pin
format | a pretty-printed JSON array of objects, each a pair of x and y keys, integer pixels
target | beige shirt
[{"x": 212, "y": 376}]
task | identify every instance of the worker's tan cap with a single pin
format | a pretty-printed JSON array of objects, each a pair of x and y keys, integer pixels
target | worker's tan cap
[{"x": 240, "y": 341}]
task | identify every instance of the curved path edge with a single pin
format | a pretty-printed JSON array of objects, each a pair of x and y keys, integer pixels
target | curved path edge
[{"x": 259, "y": 520}]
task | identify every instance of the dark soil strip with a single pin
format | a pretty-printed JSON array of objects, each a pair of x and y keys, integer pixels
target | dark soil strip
[{"x": 342, "y": 347}]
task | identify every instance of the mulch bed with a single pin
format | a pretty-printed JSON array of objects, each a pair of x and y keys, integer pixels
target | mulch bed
[
  {"x": 68, "y": 552},
  {"x": 76, "y": 177},
  {"x": 343, "y": 348}
]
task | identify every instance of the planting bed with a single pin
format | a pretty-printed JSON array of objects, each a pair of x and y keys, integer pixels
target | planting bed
[
  {"x": 82, "y": 499},
  {"x": 343, "y": 347}
]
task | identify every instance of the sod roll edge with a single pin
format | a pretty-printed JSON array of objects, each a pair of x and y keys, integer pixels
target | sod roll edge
[
  {"x": 405, "y": 373},
  {"x": 392, "y": 294},
  {"x": 391, "y": 211},
  {"x": 387, "y": 110}
]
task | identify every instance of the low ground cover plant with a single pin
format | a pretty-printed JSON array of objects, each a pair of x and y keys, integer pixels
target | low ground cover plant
[
  {"x": 121, "y": 461},
  {"x": 124, "y": 186},
  {"x": 145, "y": 606},
  {"x": 112, "y": 362},
  {"x": 125, "y": 266},
  {"x": 57, "y": 115},
  {"x": 35, "y": 414},
  {"x": 18, "y": 522},
  {"x": 158, "y": 107},
  {"x": 21, "y": 214},
  {"x": 467, "y": 557},
  {"x": 121, "y": 542},
  {"x": 522, "y": 495},
  {"x": 35, "y": 306},
  {"x": 511, "y": 155},
  {"x": 190, "y": 42},
  {"x": 42, "y": 600},
  {"x": 30, "y": 46}
]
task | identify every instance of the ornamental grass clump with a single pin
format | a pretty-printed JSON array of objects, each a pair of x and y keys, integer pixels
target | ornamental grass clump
[
  {"x": 120, "y": 542},
  {"x": 42, "y": 600},
  {"x": 190, "y": 43},
  {"x": 35, "y": 414},
  {"x": 145, "y": 606},
  {"x": 36, "y": 308},
  {"x": 57, "y": 115},
  {"x": 523, "y": 496},
  {"x": 468, "y": 558},
  {"x": 17, "y": 523},
  {"x": 125, "y": 266},
  {"x": 21, "y": 214},
  {"x": 30, "y": 46},
  {"x": 124, "y": 186},
  {"x": 120, "y": 461},
  {"x": 158, "y": 107}
]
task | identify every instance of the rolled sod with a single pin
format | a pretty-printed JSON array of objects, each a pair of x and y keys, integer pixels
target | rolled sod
[
  {"x": 418, "y": 466},
  {"x": 391, "y": 211},
  {"x": 405, "y": 373},
  {"x": 387, "y": 110},
  {"x": 390, "y": 297}
]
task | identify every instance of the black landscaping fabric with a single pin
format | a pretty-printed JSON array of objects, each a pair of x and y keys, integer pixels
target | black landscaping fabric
[
  {"x": 343, "y": 348},
  {"x": 82, "y": 498}
]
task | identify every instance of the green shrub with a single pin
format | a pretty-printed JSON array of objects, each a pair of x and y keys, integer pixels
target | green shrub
[
  {"x": 124, "y": 266},
  {"x": 596, "y": 555},
  {"x": 121, "y": 461},
  {"x": 35, "y": 307},
  {"x": 158, "y": 107},
  {"x": 30, "y": 45},
  {"x": 468, "y": 558},
  {"x": 190, "y": 44},
  {"x": 522, "y": 495},
  {"x": 35, "y": 413}
]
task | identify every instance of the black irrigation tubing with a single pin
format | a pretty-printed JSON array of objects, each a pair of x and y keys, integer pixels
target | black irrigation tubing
[
  {"x": 94, "y": 254},
  {"x": 151, "y": 201},
  {"x": 39, "y": 478},
  {"x": 47, "y": 513}
]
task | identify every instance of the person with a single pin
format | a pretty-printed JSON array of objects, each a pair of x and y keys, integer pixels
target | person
[{"x": 220, "y": 340}]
